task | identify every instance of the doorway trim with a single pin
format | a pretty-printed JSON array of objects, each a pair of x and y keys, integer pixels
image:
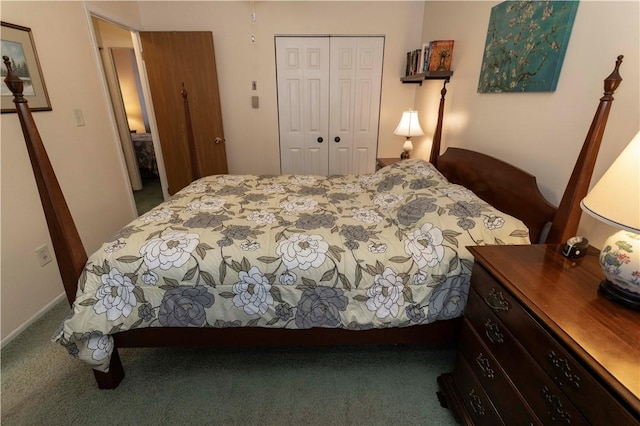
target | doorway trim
[
  {"x": 113, "y": 82},
  {"x": 92, "y": 10}
]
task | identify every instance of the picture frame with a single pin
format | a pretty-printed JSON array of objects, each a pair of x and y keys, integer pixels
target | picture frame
[
  {"x": 17, "y": 43},
  {"x": 525, "y": 46}
]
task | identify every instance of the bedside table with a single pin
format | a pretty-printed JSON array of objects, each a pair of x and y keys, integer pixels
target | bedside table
[
  {"x": 539, "y": 345},
  {"x": 383, "y": 162}
]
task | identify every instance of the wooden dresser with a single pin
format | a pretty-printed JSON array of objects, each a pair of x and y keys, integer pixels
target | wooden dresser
[
  {"x": 384, "y": 162},
  {"x": 539, "y": 345}
]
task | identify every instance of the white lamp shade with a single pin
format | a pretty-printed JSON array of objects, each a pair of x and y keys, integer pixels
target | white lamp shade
[
  {"x": 409, "y": 125},
  {"x": 615, "y": 199}
]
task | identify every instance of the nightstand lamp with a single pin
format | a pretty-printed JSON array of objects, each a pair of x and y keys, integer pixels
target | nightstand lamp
[
  {"x": 615, "y": 200},
  {"x": 409, "y": 126}
]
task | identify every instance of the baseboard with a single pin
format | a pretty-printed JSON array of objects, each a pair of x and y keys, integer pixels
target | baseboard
[{"x": 15, "y": 333}]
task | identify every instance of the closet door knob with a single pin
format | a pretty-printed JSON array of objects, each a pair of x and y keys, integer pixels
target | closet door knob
[
  {"x": 337, "y": 139},
  {"x": 218, "y": 139},
  {"x": 320, "y": 140}
]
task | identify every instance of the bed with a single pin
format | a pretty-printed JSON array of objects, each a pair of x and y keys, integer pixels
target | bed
[
  {"x": 263, "y": 260},
  {"x": 145, "y": 153}
]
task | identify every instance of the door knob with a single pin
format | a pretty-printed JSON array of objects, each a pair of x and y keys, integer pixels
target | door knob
[
  {"x": 320, "y": 140},
  {"x": 218, "y": 140},
  {"x": 337, "y": 139}
]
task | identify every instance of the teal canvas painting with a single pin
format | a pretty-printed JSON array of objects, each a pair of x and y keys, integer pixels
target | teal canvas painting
[{"x": 525, "y": 46}]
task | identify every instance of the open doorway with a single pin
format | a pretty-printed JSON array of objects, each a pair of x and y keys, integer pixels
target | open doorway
[{"x": 123, "y": 80}]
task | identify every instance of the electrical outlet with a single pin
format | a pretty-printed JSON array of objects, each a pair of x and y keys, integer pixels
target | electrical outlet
[{"x": 43, "y": 255}]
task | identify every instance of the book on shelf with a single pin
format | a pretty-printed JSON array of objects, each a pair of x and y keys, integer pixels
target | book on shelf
[
  {"x": 409, "y": 63},
  {"x": 413, "y": 62},
  {"x": 424, "y": 57},
  {"x": 440, "y": 55},
  {"x": 433, "y": 56}
]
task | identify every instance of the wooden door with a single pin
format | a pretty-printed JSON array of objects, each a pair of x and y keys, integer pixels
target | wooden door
[
  {"x": 303, "y": 104},
  {"x": 355, "y": 82},
  {"x": 171, "y": 60}
]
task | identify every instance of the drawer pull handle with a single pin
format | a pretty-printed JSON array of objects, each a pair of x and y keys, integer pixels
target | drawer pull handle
[
  {"x": 493, "y": 332},
  {"x": 485, "y": 366},
  {"x": 476, "y": 403},
  {"x": 556, "y": 411},
  {"x": 496, "y": 301},
  {"x": 563, "y": 375}
]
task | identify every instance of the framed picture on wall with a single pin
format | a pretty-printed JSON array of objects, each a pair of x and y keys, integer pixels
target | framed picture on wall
[
  {"x": 525, "y": 46},
  {"x": 18, "y": 45}
]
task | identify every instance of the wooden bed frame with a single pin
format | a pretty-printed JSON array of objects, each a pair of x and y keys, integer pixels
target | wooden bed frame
[{"x": 508, "y": 188}]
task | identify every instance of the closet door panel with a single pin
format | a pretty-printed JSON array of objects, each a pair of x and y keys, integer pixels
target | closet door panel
[
  {"x": 341, "y": 161},
  {"x": 356, "y": 78},
  {"x": 363, "y": 108},
  {"x": 314, "y": 164},
  {"x": 361, "y": 161},
  {"x": 303, "y": 103},
  {"x": 343, "y": 73},
  {"x": 367, "y": 103},
  {"x": 295, "y": 162},
  {"x": 337, "y": 91}
]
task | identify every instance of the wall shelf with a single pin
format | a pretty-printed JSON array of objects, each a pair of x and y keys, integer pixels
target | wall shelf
[{"x": 430, "y": 75}]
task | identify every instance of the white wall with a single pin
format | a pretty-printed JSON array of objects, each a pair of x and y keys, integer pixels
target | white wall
[
  {"x": 541, "y": 133},
  {"x": 86, "y": 159},
  {"x": 252, "y": 134}
]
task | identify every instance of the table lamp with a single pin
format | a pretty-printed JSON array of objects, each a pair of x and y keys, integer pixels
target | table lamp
[
  {"x": 615, "y": 200},
  {"x": 408, "y": 126}
]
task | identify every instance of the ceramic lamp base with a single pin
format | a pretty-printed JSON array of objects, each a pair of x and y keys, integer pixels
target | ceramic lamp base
[
  {"x": 618, "y": 295},
  {"x": 407, "y": 147},
  {"x": 620, "y": 262}
]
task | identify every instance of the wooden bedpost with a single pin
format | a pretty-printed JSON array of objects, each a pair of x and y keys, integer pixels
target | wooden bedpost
[
  {"x": 437, "y": 135},
  {"x": 70, "y": 252},
  {"x": 191, "y": 141},
  {"x": 567, "y": 218}
]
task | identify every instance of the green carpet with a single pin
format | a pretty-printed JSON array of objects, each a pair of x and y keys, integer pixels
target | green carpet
[
  {"x": 151, "y": 193},
  {"x": 372, "y": 385}
]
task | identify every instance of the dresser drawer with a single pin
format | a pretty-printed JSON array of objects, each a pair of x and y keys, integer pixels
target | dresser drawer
[
  {"x": 508, "y": 402},
  {"x": 594, "y": 401},
  {"x": 542, "y": 395},
  {"x": 475, "y": 400}
]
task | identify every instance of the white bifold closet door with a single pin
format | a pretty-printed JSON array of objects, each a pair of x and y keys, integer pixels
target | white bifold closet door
[{"x": 328, "y": 103}]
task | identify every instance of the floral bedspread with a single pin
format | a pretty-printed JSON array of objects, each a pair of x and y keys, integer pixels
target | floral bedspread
[{"x": 358, "y": 252}]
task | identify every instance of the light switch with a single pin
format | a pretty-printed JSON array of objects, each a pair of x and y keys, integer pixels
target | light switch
[
  {"x": 255, "y": 101},
  {"x": 254, "y": 85},
  {"x": 77, "y": 113}
]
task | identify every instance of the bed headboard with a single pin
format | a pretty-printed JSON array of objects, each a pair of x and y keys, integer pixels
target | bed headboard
[{"x": 515, "y": 191}]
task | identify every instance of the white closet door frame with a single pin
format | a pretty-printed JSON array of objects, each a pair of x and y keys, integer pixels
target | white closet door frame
[
  {"x": 328, "y": 103},
  {"x": 303, "y": 104}
]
